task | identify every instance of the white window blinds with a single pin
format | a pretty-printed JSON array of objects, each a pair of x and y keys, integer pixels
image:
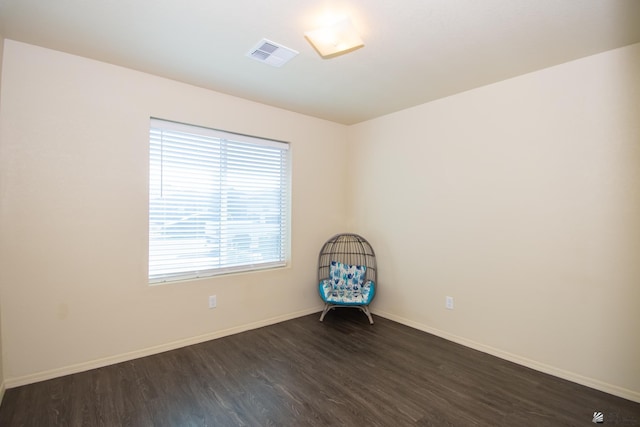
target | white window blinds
[{"x": 218, "y": 202}]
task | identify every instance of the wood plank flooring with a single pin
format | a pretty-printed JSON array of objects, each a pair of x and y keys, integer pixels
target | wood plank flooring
[{"x": 343, "y": 372}]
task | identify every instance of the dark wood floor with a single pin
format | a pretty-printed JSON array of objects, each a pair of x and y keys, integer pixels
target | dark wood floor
[{"x": 343, "y": 372}]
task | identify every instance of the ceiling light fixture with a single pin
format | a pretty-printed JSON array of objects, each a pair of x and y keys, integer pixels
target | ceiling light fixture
[{"x": 335, "y": 39}]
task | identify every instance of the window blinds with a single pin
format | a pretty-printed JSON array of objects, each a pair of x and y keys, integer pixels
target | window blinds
[{"x": 218, "y": 202}]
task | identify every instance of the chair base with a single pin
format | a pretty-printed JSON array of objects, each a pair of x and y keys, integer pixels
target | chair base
[{"x": 363, "y": 308}]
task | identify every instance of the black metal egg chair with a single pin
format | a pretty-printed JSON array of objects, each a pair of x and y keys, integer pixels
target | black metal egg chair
[{"x": 347, "y": 273}]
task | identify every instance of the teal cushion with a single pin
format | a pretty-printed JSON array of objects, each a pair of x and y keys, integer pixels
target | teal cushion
[{"x": 345, "y": 285}]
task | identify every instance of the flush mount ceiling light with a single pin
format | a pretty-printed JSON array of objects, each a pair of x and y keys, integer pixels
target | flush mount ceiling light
[{"x": 335, "y": 39}]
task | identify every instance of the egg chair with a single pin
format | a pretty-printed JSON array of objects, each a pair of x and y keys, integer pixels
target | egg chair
[{"x": 347, "y": 273}]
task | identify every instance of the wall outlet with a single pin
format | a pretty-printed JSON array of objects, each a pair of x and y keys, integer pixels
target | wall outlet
[
  {"x": 213, "y": 301},
  {"x": 448, "y": 302}
]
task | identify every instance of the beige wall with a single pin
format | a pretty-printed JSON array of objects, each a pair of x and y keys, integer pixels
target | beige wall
[
  {"x": 2, "y": 386},
  {"x": 73, "y": 222},
  {"x": 522, "y": 201}
]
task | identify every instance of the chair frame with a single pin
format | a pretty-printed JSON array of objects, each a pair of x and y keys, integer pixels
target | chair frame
[{"x": 352, "y": 249}]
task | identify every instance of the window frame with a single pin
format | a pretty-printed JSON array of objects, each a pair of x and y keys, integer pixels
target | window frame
[{"x": 273, "y": 237}]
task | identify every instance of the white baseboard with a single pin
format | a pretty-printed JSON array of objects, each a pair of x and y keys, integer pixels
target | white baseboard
[
  {"x": 2, "y": 390},
  {"x": 99, "y": 363},
  {"x": 541, "y": 367}
]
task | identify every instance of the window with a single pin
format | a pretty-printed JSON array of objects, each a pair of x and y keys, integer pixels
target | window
[{"x": 218, "y": 202}]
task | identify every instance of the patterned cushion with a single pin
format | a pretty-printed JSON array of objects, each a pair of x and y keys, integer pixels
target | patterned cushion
[{"x": 345, "y": 285}]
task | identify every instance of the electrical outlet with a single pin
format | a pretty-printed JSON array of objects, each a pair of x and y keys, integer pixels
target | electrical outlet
[
  {"x": 449, "y": 303},
  {"x": 213, "y": 301}
]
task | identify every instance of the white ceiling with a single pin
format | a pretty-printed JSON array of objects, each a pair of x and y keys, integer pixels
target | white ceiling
[{"x": 415, "y": 50}]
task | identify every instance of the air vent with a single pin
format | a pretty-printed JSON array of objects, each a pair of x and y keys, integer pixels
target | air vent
[{"x": 271, "y": 53}]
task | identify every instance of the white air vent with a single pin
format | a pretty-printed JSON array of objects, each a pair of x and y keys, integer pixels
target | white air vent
[{"x": 271, "y": 53}]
